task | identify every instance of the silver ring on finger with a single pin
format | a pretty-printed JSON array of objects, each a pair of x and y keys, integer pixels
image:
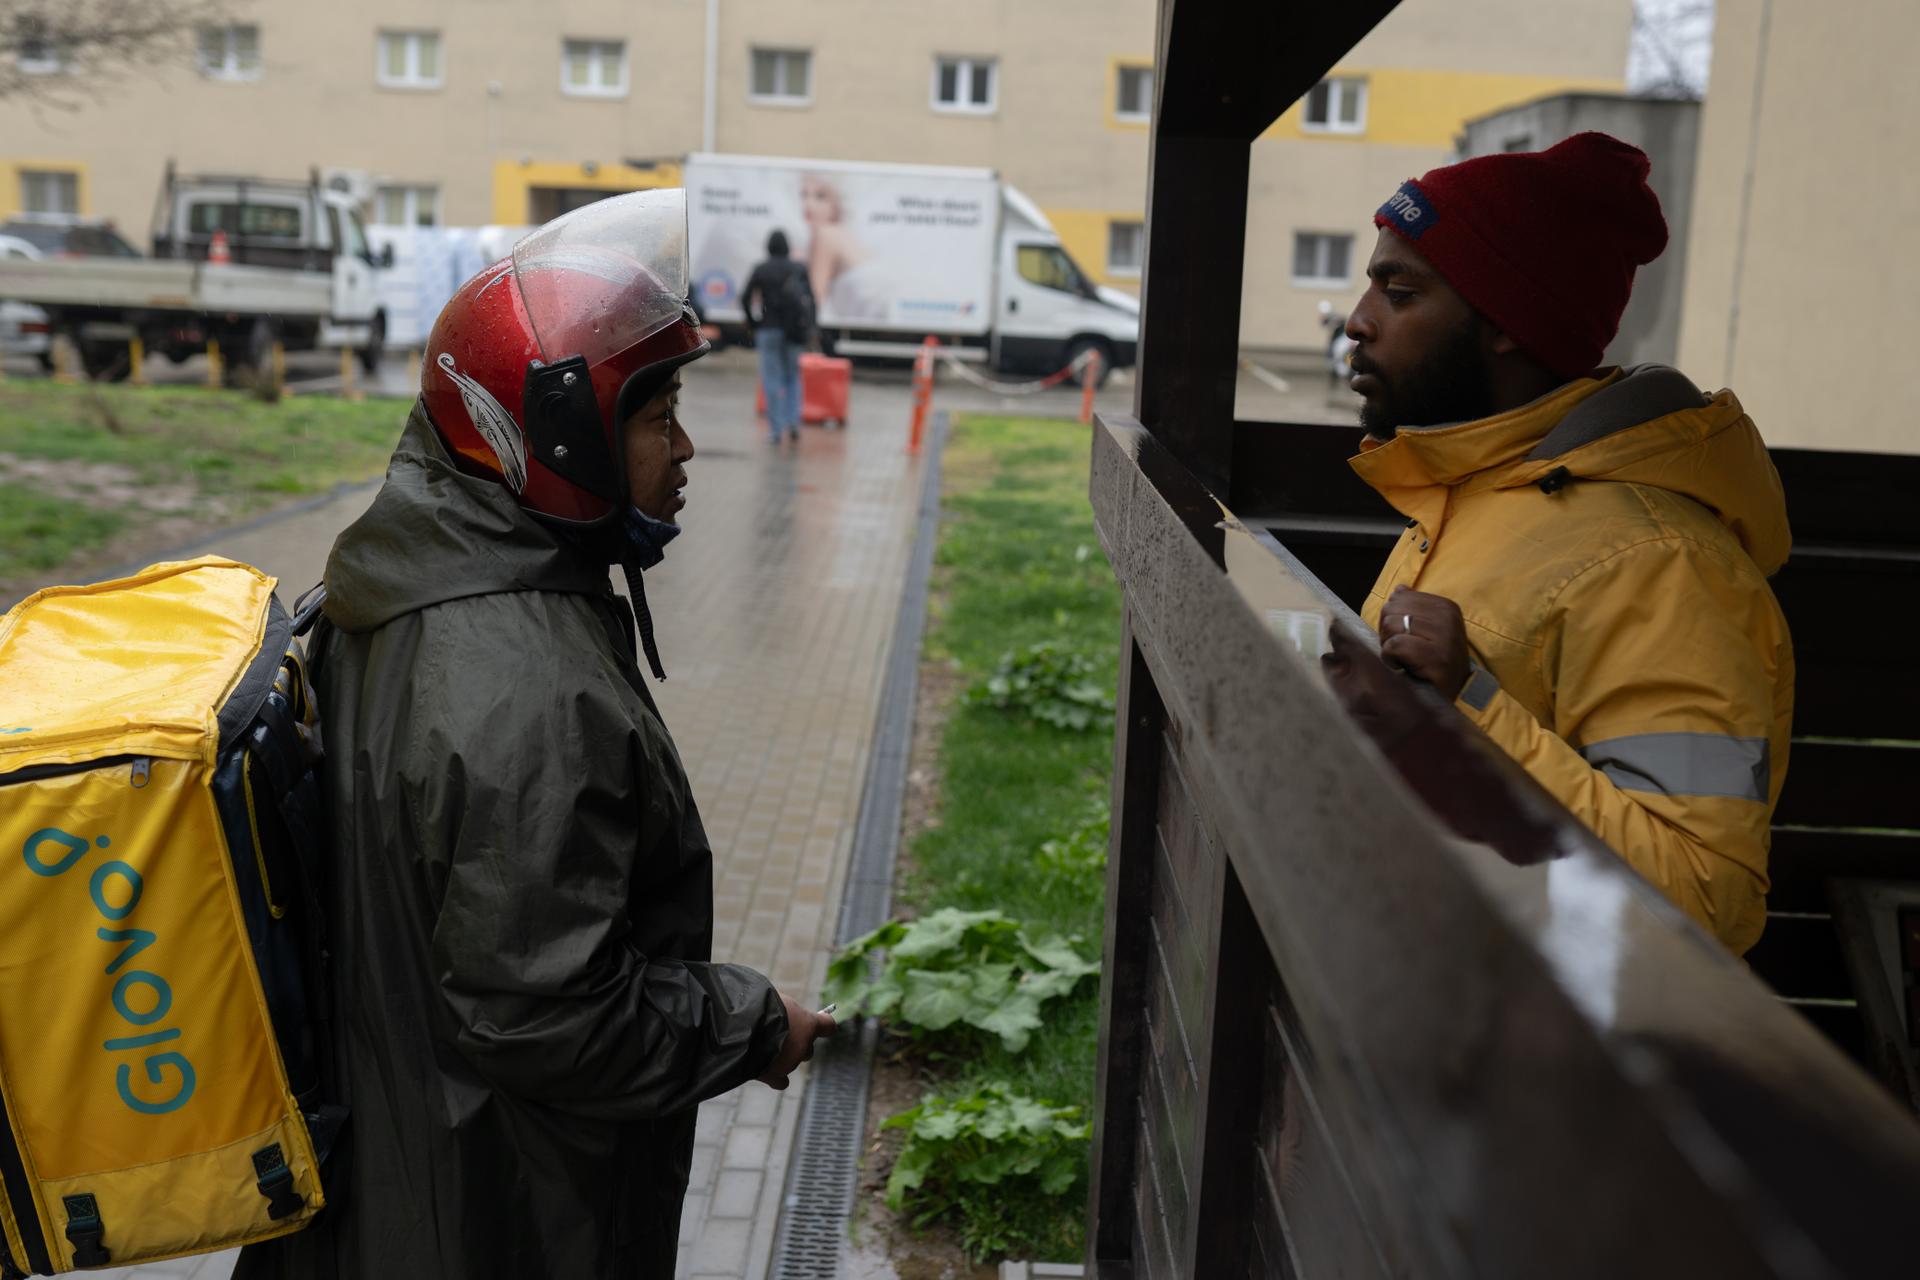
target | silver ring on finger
[{"x": 1406, "y": 624}]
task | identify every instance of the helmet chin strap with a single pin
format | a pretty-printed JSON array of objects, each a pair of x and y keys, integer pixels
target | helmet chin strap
[{"x": 642, "y": 616}]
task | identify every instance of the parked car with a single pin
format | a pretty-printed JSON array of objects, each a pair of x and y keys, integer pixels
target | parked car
[
  {"x": 69, "y": 236},
  {"x": 23, "y": 326}
]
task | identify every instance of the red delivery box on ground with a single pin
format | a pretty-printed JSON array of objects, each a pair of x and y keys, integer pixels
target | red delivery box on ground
[{"x": 824, "y": 385}]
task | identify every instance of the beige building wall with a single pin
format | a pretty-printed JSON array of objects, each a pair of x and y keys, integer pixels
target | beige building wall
[
  {"x": 498, "y": 127},
  {"x": 1795, "y": 295},
  {"x": 1428, "y": 69}
]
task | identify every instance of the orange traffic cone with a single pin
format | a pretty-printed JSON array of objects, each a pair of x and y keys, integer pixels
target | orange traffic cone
[{"x": 217, "y": 249}]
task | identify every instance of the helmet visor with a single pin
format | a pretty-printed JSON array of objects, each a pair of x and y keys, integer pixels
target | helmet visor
[{"x": 605, "y": 277}]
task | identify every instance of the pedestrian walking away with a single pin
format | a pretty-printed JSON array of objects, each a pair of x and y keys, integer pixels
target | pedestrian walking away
[
  {"x": 529, "y": 1013},
  {"x": 1585, "y": 563},
  {"x": 779, "y": 304}
]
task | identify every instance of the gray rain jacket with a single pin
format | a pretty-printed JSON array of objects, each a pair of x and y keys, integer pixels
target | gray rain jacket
[{"x": 522, "y": 907}]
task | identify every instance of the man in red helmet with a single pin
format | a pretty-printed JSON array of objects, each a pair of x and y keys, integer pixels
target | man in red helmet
[
  {"x": 1585, "y": 563},
  {"x": 527, "y": 1014}
]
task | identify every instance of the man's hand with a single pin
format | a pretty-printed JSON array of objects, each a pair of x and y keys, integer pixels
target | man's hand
[
  {"x": 803, "y": 1027},
  {"x": 1424, "y": 636}
]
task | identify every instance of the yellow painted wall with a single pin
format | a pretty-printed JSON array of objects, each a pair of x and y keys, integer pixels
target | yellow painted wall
[
  {"x": 513, "y": 183},
  {"x": 10, "y": 181},
  {"x": 1083, "y": 234},
  {"x": 1414, "y": 108}
]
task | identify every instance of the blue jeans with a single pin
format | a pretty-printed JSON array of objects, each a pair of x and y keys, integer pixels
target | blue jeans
[{"x": 780, "y": 375}]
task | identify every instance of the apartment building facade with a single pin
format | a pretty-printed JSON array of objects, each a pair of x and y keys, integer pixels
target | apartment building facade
[{"x": 467, "y": 112}]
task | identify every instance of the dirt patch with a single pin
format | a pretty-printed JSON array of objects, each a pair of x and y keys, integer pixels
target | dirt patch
[
  {"x": 157, "y": 517},
  {"x": 107, "y": 483},
  {"x": 884, "y": 1246}
]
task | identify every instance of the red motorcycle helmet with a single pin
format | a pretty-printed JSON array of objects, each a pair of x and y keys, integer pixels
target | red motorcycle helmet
[{"x": 535, "y": 362}]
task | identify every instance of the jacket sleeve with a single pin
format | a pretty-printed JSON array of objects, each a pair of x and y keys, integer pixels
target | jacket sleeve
[
  {"x": 544, "y": 809},
  {"x": 1667, "y": 741},
  {"x": 749, "y": 294}
]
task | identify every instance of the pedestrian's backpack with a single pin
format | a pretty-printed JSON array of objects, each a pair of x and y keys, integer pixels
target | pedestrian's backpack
[
  {"x": 163, "y": 1010},
  {"x": 790, "y": 305}
]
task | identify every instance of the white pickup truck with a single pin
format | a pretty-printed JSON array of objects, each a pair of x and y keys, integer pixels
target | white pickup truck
[{"x": 300, "y": 273}]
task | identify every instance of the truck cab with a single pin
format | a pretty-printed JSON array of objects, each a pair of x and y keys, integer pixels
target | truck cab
[
  {"x": 1050, "y": 313},
  {"x": 288, "y": 225}
]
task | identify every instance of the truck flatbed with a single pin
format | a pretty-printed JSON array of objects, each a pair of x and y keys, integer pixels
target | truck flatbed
[{"x": 166, "y": 285}]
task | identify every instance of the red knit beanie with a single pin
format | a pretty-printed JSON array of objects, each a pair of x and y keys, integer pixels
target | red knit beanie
[{"x": 1542, "y": 243}]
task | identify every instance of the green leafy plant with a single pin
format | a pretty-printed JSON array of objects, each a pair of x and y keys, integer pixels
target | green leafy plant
[
  {"x": 1050, "y": 683},
  {"x": 1080, "y": 856},
  {"x": 998, "y": 1164},
  {"x": 973, "y": 968}
]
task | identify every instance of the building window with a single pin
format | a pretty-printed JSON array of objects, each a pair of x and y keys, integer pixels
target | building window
[
  {"x": 594, "y": 68},
  {"x": 35, "y": 50},
  {"x": 230, "y": 52},
  {"x": 407, "y": 206},
  {"x": 783, "y": 76},
  {"x": 49, "y": 192},
  {"x": 1134, "y": 99},
  {"x": 1321, "y": 259},
  {"x": 1126, "y": 247},
  {"x": 1336, "y": 106},
  {"x": 409, "y": 60},
  {"x": 966, "y": 84},
  {"x": 1523, "y": 142}
]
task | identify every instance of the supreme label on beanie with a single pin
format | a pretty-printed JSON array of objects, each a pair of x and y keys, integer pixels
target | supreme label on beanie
[{"x": 1409, "y": 210}]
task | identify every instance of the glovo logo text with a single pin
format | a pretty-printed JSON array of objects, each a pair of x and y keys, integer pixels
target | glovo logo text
[{"x": 141, "y": 998}]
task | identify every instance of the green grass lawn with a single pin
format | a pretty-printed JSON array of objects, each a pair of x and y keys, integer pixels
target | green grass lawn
[
  {"x": 1018, "y": 563},
  {"x": 80, "y": 465}
]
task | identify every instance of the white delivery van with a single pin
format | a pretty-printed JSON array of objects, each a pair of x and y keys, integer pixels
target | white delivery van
[{"x": 896, "y": 253}]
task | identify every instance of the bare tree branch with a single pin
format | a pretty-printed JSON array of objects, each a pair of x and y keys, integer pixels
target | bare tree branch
[
  {"x": 1672, "y": 47},
  {"x": 62, "y": 53}
]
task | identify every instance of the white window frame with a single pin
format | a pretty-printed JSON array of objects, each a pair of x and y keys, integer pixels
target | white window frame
[
  {"x": 1114, "y": 266},
  {"x": 52, "y": 64},
  {"x": 780, "y": 97},
  {"x": 1337, "y": 88},
  {"x": 228, "y": 68},
  {"x": 72, "y": 179},
  {"x": 411, "y": 78},
  {"x": 1320, "y": 260},
  {"x": 412, "y": 196},
  {"x": 1145, "y": 113},
  {"x": 964, "y": 67},
  {"x": 594, "y": 44}
]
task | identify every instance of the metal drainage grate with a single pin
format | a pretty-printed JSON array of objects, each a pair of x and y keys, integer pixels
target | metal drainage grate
[{"x": 824, "y": 1170}]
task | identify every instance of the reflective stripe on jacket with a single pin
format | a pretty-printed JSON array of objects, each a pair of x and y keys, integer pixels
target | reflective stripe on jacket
[{"x": 1609, "y": 546}]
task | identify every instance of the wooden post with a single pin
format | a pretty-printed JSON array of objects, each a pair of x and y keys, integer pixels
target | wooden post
[
  {"x": 215, "y": 366},
  {"x": 136, "y": 361},
  {"x": 348, "y": 391},
  {"x": 277, "y": 360},
  {"x": 413, "y": 367}
]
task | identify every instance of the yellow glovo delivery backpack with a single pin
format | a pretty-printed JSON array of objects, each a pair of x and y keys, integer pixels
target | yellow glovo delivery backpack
[{"x": 162, "y": 999}]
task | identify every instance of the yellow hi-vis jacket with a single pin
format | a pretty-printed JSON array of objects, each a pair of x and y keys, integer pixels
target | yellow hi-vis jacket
[{"x": 1609, "y": 546}]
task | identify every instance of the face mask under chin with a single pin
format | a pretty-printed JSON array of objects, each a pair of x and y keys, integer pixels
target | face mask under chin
[{"x": 647, "y": 538}]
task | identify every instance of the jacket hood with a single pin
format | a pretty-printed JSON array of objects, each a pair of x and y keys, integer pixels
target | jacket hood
[
  {"x": 1645, "y": 425},
  {"x": 435, "y": 534}
]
